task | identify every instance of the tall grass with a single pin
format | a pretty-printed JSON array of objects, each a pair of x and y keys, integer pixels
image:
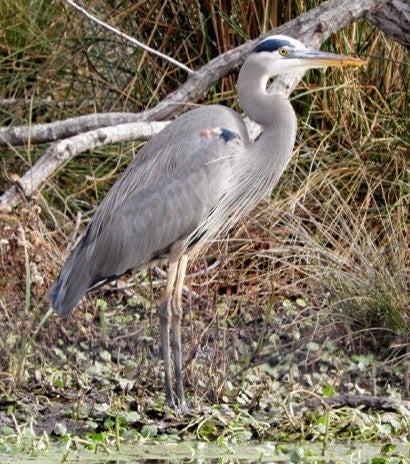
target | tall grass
[{"x": 337, "y": 225}]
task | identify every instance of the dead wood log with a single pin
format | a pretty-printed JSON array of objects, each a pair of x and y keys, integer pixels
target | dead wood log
[
  {"x": 354, "y": 401},
  {"x": 393, "y": 19}
]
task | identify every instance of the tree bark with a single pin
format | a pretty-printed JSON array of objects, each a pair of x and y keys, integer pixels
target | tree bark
[
  {"x": 354, "y": 401},
  {"x": 49, "y": 132},
  {"x": 394, "y": 20},
  {"x": 312, "y": 28}
]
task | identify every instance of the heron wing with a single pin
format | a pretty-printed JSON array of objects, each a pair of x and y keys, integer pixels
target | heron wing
[
  {"x": 151, "y": 220},
  {"x": 165, "y": 154},
  {"x": 137, "y": 225}
]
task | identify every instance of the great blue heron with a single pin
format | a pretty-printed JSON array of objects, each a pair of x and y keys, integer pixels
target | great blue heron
[{"x": 197, "y": 177}]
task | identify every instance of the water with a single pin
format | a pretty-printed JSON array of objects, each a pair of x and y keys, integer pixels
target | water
[{"x": 199, "y": 452}]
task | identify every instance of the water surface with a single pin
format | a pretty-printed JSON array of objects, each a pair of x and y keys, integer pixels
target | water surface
[{"x": 199, "y": 452}]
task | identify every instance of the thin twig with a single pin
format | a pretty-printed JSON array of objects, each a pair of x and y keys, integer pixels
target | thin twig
[{"x": 129, "y": 38}]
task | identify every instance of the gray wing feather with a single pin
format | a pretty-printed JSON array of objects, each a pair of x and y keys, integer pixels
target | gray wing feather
[
  {"x": 149, "y": 222},
  {"x": 166, "y": 153},
  {"x": 163, "y": 197}
]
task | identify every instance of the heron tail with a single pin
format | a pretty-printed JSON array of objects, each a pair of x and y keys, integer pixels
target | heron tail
[{"x": 72, "y": 283}]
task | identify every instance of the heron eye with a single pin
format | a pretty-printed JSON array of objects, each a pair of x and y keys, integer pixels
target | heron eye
[{"x": 283, "y": 51}]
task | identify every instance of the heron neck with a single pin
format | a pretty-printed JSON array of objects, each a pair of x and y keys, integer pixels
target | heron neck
[
  {"x": 273, "y": 148},
  {"x": 268, "y": 110}
]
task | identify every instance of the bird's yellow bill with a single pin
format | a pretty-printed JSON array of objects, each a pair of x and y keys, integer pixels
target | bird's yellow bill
[
  {"x": 319, "y": 58},
  {"x": 340, "y": 60}
]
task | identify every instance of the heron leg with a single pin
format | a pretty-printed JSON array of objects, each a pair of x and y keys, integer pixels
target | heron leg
[
  {"x": 165, "y": 315},
  {"x": 176, "y": 330}
]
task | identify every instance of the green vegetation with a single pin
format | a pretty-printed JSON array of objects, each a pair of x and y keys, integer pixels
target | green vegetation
[{"x": 310, "y": 302}]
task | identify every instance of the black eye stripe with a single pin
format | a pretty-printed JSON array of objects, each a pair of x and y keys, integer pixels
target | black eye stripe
[{"x": 271, "y": 45}]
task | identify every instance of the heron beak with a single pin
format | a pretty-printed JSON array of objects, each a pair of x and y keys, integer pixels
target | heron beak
[{"x": 319, "y": 59}]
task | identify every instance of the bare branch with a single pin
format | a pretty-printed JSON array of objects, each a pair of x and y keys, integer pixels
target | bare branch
[
  {"x": 49, "y": 132},
  {"x": 128, "y": 37},
  {"x": 61, "y": 152},
  {"x": 394, "y": 20}
]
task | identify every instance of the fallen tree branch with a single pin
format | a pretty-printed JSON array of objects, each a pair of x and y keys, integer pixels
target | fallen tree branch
[
  {"x": 61, "y": 152},
  {"x": 354, "y": 401},
  {"x": 394, "y": 20},
  {"x": 49, "y": 132}
]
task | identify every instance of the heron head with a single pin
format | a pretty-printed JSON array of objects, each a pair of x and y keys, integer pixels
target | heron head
[{"x": 281, "y": 54}]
